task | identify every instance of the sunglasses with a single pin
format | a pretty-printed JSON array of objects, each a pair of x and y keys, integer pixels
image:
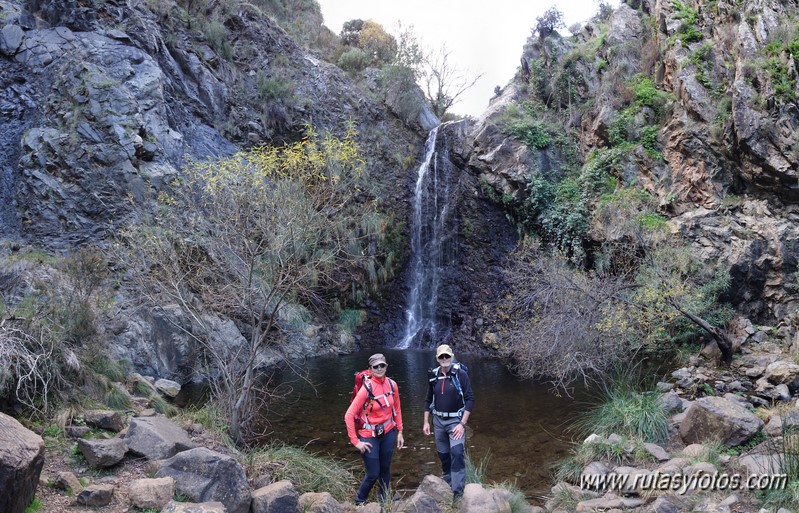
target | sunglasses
[
  {"x": 444, "y": 357},
  {"x": 379, "y": 366}
]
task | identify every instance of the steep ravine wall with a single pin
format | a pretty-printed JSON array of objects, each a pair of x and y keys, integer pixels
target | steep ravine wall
[{"x": 727, "y": 174}]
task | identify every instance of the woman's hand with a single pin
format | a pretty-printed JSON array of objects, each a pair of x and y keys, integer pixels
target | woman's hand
[
  {"x": 364, "y": 447},
  {"x": 426, "y": 429},
  {"x": 400, "y": 441}
]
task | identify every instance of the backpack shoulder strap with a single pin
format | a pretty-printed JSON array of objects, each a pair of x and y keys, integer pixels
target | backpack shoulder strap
[{"x": 367, "y": 383}]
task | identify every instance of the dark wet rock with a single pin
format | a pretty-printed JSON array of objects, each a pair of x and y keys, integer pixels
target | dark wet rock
[{"x": 207, "y": 476}]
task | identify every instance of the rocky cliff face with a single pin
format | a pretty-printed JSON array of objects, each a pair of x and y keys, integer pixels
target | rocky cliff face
[
  {"x": 107, "y": 99},
  {"x": 104, "y": 101},
  {"x": 721, "y": 158}
]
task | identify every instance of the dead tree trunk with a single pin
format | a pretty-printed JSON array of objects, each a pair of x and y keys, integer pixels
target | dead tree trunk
[{"x": 718, "y": 335}]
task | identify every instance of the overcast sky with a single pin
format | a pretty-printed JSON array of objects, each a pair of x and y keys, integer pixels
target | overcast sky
[{"x": 484, "y": 36}]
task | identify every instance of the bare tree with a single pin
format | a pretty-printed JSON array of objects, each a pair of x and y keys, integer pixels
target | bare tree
[
  {"x": 246, "y": 236},
  {"x": 442, "y": 81},
  {"x": 646, "y": 290},
  {"x": 31, "y": 366},
  {"x": 562, "y": 323}
]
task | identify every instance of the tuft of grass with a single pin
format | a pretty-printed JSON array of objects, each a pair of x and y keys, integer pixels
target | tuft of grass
[
  {"x": 476, "y": 473},
  {"x": 627, "y": 407},
  {"x": 143, "y": 388},
  {"x": 563, "y": 498},
  {"x": 516, "y": 498},
  {"x": 118, "y": 399},
  {"x": 713, "y": 449},
  {"x": 309, "y": 472},
  {"x": 111, "y": 369},
  {"x": 162, "y": 406},
  {"x": 208, "y": 416},
  {"x": 786, "y": 496},
  {"x": 35, "y": 506},
  {"x": 570, "y": 468}
]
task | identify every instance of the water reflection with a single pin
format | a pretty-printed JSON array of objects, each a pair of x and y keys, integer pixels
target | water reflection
[{"x": 520, "y": 426}]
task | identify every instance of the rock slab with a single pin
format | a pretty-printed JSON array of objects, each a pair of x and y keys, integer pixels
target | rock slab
[{"x": 21, "y": 462}]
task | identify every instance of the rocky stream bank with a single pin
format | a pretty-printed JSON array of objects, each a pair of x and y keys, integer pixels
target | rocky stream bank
[{"x": 725, "y": 425}]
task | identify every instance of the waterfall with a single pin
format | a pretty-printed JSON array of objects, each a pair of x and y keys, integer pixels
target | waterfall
[{"x": 429, "y": 241}]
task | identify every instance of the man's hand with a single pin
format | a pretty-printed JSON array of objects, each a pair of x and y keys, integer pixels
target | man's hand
[{"x": 426, "y": 429}]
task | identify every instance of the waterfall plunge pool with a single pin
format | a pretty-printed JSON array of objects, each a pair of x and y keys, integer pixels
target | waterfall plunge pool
[{"x": 518, "y": 429}]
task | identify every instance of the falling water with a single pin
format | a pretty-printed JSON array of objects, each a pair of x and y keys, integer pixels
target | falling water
[{"x": 428, "y": 256}]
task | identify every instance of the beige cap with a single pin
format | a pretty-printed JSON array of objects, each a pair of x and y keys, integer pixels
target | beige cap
[
  {"x": 444, "y": 349},
  {"x": 377, "y": 358}
]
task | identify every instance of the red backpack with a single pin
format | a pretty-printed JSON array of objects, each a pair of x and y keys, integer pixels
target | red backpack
[{"x": 364, "y": 379}]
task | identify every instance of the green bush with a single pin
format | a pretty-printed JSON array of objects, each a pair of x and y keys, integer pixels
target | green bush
[
  {"x": 688, "y": 32},
  {"x": 276, "y": 88},
  {"x": 353, "y": 61},
  {"x": 524, "y": 123},
  {"x": 349, "y": 319},
  {"x": 649, "y": 140}
]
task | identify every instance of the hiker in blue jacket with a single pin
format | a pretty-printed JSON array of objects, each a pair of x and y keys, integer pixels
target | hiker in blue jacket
[{"x": 450, "y": 401}]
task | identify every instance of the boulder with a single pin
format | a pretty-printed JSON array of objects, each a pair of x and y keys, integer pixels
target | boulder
[
  {"x": 103, "y": 453},
  {"x": 438, "y": 489},
  {"x": 716, "y": 417},
  {"x": 104, "y": 419},
  {"x": 156, "y": 438},
  {"x": 321, "y": 502},
  {"x": 783, "y": 372},
  {"x": 191, "y": 507},
  {"x": 151, "y": 493},
  {"x": 280, "y": 497},
  {"x": 96, "y": 495},
  {"x": 669, "y": 504},
  {"x": 606, "y": 502},
  {"x": 657, "y": 452},
  {"x": 76, "y": 431},
  {"x": 11, "y": 37},
  {"x": 207, "y": 476},
  {"x": 671, "y": 402},
  {"x": 168, "y": 387},
  {"x": 477, "y": 499},
  {"x": 21, "y": 462},
  {"x": 67, "y": 481},
  {"x": 419, "y": 501}
]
